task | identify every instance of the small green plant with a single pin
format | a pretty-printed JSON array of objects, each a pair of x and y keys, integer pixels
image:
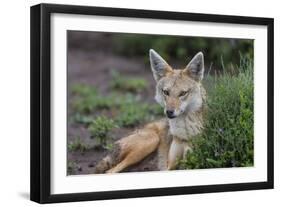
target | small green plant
[
  {"x": 83, "y": 90},
  {"x": 88, "y": 103},
  {"x": 132, "y": 111},
  {"x": 131, "y": 115},
  {"x": 85, "y": 97},
  {"x": 227, "y": 139},
  {"x": 84, "y": 104},
  {"x": 109, "y": 146},
  {"x": 77, "y": 145},
  {"x": 100, "y": 127},
  {"x": 126, "y": 83}
]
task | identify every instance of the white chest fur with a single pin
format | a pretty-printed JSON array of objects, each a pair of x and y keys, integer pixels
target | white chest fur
[
  {"x": 178, "y": 128},
  {"x": 185, "y": 127}
]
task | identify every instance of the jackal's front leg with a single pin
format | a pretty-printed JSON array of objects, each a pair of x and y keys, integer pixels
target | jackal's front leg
[{"x": 176, "y": 152}]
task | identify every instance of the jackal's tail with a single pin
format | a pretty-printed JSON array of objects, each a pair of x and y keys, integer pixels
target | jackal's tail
[{"x": 108, "y": 161}]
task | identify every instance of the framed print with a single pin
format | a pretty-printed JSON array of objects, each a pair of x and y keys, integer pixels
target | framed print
[{"x": 133, "y": 103}]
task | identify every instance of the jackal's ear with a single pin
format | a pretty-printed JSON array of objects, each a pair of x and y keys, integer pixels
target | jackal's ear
[
  {"x": 195, "y": 67},
  {"x": 159, "y": 66}
]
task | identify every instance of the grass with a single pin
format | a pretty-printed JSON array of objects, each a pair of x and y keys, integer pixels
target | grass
[
  {"x": 87, "y": 99},
  {"x": 127, "y": 83},
  {"x": 131, "y": 115},
  {"x": 83, "y": 90},
  {"x": 91, "y": 102},
  {"x": 155, "y": 110},
  {"x": 129, "y": 110},
  {"x": 227, "y": 139}
]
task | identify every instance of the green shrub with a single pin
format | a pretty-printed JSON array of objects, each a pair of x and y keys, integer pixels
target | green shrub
[
  {"x": 227, "y": 139},
  {"x": 100, "y": 127},
  {"x": 77, "y": 145},
  {"x": 126, "y": 83}
]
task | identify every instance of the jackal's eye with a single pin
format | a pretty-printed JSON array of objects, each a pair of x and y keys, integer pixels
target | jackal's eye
[
  {"x": 165, "y": 92},
  {"x": 183, "y": 93}
]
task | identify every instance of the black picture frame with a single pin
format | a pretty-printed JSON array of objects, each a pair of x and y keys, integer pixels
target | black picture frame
[{"x": 41, "y": 99}]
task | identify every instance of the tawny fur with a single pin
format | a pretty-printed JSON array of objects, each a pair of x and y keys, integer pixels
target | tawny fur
[
  {"x": 170, "y": 136},
  {"x": 135, "y": 147},
  {"x": 187, "y": 108}
]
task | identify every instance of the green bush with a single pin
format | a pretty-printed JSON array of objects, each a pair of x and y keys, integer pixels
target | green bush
[
  {"x": 126, "y": 83},
  {"x": 227, "y": 139},
  {"x": 100, "y": 127}
]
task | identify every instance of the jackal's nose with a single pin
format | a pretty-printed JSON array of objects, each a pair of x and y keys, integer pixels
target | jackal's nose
[{"x": 170, "y": 114}]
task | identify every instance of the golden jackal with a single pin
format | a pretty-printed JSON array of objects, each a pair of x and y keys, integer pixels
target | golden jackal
[{"x": 180, "y": 93}]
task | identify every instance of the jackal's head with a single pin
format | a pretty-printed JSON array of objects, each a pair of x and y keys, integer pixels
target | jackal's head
[{"x": 178, "y": 90}]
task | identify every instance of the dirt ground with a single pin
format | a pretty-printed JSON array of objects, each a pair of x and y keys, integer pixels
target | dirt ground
[{"x": 92, "y": 67}]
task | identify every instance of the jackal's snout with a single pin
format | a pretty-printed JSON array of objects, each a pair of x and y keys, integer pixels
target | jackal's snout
[{"x": 170, "y": 114}]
